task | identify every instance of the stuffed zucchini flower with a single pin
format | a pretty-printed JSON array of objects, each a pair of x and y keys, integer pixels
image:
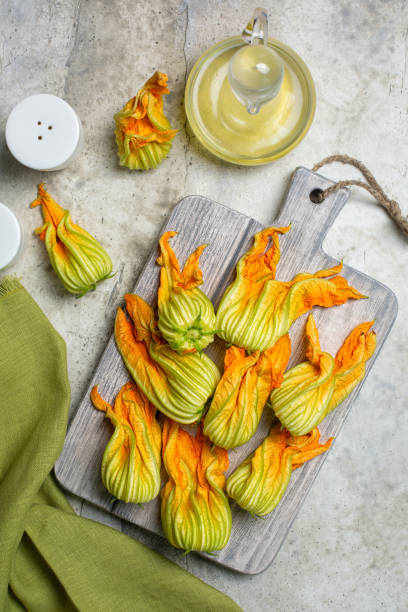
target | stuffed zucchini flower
[
  {"x": 312, "y": 389},
  {"x": 243, "y": 391},
  {"x": 178, "y": 385},
  {"x": 256, "y": 310},
  {"x": 186, "y": 315},
  {"x": 258, "y": 484},
  {"x": 131, "y": 462},
  {"x": 143, "y": 134},
  {"x": 195, "y": 511},
  {"x": 76, "y": 256}
]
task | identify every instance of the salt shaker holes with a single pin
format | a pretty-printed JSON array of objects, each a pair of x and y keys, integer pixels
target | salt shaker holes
[{"x": 53, "y": 128}]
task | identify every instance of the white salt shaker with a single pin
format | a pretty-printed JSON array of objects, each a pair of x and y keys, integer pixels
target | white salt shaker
[
  {"x": 44, "y": 132},
  {"x": 11, "y": 237}
]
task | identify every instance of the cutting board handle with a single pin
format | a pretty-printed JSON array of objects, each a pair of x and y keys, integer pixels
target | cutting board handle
[{"x": 310, "y": 222}]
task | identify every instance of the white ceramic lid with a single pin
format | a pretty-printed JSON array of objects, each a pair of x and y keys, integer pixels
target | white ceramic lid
[
  {"x": 43, "y": 132},
  {"x": 10, "y": 236}
]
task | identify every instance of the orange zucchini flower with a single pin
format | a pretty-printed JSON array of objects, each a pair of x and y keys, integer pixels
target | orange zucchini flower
[
  {"x": 143, "y": 134},
  {"x": 195, "y": 511},
  {"x": 243, "y": 391},
  {"x": 312, "y": 389},
  {"x": 76, "y": 256},
  {"x": 131, "y": 462},
  {"x": 186, "y": 315},
  {"x": 258, "y": 484},
  {"x": 178, "y": 385},
  {"x": 256, "y": 310}
]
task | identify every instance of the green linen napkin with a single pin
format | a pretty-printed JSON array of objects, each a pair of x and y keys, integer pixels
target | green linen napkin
[{"x": 52, "y": 559}]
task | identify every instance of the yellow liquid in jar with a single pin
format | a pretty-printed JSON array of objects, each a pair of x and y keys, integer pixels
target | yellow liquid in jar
[{"x": 225, "y": 121}]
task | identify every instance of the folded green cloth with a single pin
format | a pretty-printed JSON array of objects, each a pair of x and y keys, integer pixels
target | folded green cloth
[{"x": 52, "y": 559}]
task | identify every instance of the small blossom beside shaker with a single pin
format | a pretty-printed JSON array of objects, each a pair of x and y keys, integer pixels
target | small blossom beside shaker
[
  {"x": 143, "y": 133},
  {"x": 76, "y": 256}
]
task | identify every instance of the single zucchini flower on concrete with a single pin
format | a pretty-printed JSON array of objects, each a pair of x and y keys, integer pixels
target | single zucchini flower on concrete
[
  {"x": 256, "y": 310},
  {"x": 195, "y": 511},
  {"x": 258, "y": 484},
  {"x": 76, "y": 256},
  {"x": 243, "y": 391},
  {"x": 312, "y": 389},
  {"x": 178, "y": 385},
  {"x": 186, "y": 315},
  {"x": 143, "y": 134},
  {"x": 131, "y": 462}
]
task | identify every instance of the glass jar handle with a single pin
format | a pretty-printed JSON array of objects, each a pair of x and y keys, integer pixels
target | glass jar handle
[{"x": 256, "y": 32}]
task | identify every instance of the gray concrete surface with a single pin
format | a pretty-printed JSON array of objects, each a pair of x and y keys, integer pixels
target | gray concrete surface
[{"x": 347, "y": 548}]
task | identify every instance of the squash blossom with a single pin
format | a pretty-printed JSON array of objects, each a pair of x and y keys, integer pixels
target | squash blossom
[
  {"x": 76, "y": 256},
  {"x": 131, "y": 462},
  {"x": 178, "y": 385},
  {"x": 195, "y": 511},
  {"x": 312, "y": 389},
  {"x": 243, "y": 391},
  {"x": 256, "y": 310},
  {"x": 186, "y": 315},
  {"x": 143, "y": 134},
  {"x": 258, "y": 484}
]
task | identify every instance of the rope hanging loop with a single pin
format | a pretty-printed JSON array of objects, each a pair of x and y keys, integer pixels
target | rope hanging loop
[{"x": 391, "y": 206}]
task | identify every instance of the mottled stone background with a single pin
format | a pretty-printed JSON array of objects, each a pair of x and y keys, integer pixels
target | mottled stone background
[{"x": 347, "y": 548}]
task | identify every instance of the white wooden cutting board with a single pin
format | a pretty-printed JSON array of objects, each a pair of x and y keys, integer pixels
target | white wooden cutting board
[{"x": 254, "y": 542}]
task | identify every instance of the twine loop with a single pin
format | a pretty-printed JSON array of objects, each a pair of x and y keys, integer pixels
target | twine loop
[{"x": 391, "y": 206}]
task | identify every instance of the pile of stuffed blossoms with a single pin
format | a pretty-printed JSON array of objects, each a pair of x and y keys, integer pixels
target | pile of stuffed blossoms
[{"x": 175, "y": 383}]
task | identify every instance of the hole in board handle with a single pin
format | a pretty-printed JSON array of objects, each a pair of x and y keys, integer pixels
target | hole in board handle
[{"x": 316, "y": 196}]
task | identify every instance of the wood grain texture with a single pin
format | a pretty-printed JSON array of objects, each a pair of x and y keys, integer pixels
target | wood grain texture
[{"x": 254, "y": 542}]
